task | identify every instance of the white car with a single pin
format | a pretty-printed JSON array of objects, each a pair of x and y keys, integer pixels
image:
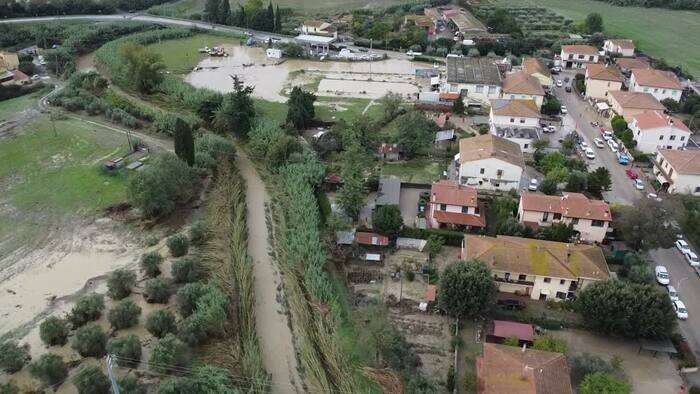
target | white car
[
  {"x": 563, "y": 109},
  {"x": 679, "y": 307},
  {"x": 411, "y": 53},
  {"x": 662, "y": 275},
  {"x": 692, "y": 259},
  {"x": 583, "y": 145},
  {"x": 638, "y": 184},
  {"x": 607, "y": 135},
  {"x": 559, "y": 83},
  {"x": 672, "y": 293},
  {"x": 682, "y": 246},
  {"x": 590, "y": 154},
  {"x": 613, "y": 145},
  {"x": 598, "y": 142},
  {"x": 533, "y": 185}
]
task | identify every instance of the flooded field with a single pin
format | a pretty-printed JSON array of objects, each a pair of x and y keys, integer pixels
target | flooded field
[{"x": 272, "y": 76}]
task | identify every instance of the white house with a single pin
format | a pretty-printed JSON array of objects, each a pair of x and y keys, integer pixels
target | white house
[
  {"x": 319, "y": 28},
  {"x": 454, "y": 205},
  {"x": 490, "y": 162},
  {"x": 477, "y": 79},
  {"x": 542, "y": 270},
  {"x": 628, "y": 104},
  {"x": 660, "y": 84},
  {"x": 655, "y": 130},
  {"x": 519, "y": 85},
  {"x": 516, "y": 121},
  {"x": 678, "y": 171},
  {"x": 602, "y": 79},
  {"x": 619, "y": 47},
  {"x": 590, "y": 218},
  {"x": 577, "y": 56},
  {"x": 536, "y": 68}
]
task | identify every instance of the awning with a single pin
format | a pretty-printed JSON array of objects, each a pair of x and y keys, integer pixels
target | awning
[
  {"x": 602, "y": 106},
  {"x": 544, "y": 291}
]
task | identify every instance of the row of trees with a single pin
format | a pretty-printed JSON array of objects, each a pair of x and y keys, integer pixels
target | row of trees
[
  {"x": 570, "y": 171},
  {"x": 252, "y": 15}
]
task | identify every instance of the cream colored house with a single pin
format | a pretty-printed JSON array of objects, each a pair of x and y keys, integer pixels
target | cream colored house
[
  {"x": 517, "y": 121},
  {"x": 319, "y": 28},
  {"x": 660, "y": 84},
  {"x": 590, "y": 218},
  {"x": 521, "y": 86},
  {"x": 655, "y": 130},
  {"x": 678, "y": 171},
  {"x": 629, "y": 104},
  {"x": 619, "y": 47},
  {"x": 490, "y": 162},
  {"x": 602, "y": 79},
  {"x": 454, "y": 205},
  {"x": 542, "y": 270},
  {"x": 577, "y": 56},
  {"x": 477, "y": 79},
  {"x": 536, "y": 68},
  {"x": 9, "y": 61}
]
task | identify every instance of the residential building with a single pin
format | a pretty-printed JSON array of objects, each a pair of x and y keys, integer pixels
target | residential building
[
  {"x": 319, "y": 28},
  {"x": 490, "y": 162},
  {"x": 371, "y": 239},
  {"x": 660, "y": 84},
  {"x": 422, "y": 21},
  {"x": 591, "y": 219},
  {"x": 628, "y": 104},
  {"x": 389, "y": 191},
  {"x": 542, "y": 270},
  {"x": 521, "y": 86},
  {"x": 501, "y": 330},
  {"x": 454, "y": 205},
  {"x": 515, "y": 120},
  {"x": 577, "y": 56},
  {"x": 13, "y": 77},
  {"x": 9, "y": 60},
  {"x": 465, "y": 22},
  {"x": 514, "y": 370},
  {"x": 619, "y": 47},
  {"x": 626, "y": 64},
  {"x": 388, "y": 152},
  {"x": 655, "y": 130},
  {"x": 477, "y": 79},
  {"x": 678, "y": 171},
  {"x": 536, "y": 68},
  {"x": 601, "y": 79}
]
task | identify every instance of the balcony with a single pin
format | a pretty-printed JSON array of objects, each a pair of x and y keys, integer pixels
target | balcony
[{"x": 513, "y": 281}]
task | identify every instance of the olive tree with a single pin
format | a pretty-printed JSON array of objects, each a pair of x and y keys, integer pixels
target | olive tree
[
  {"x": 12, "y": 357},
  {"x": 120, "y": 283},
  {"x": 126, "y": 350},
  {"x": 157, "y": 291},
  {"x": 161, "y": 322},
  {"x": 91, "y": 380},
  {"x": 87, "y": 309},
  {"x": 49, "y": 369},
  {"x": 178, "y": 245},
  {"x": 150, "y": 263},
  {"x": 187, "y": 269},
  {"x": 124, "y": 315},
  {"x": 54, "y": 331},
  {"x": 90, "y": 341},
  {"x": 168, "y": 352}
]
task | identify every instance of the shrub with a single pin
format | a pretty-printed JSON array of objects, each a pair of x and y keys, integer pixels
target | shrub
[
  {"x": 120, "y": 283},
  {"x": 91, "y": 380},
  {"x": 49, "y": 369},
  {"x": 54, "y": 331},
  {"x": 178, "y": 245},
  {"x": 88, "y": 308},
  {"x": 90, "y": 341},
  {"x": 168, "y": 352},
  {"x": 157, "y": 291},
  {"x": 129, "y": 384},
  {"x": 187, "y": 269},
  {"x": 187, "y": 297},
  {"x": 124, "y": 315},
  {"x": 150, "y": 263},
  {"x": 466, "y": 289},
  {"x": 211, "y": 149},
  {"x": 9, "y": 388},
  {"x": 198, "y": 233},
  {"x": 127, "y": 350},
  {"x": 193, "y": 330},
  {"x": 160, "y": 323},
  {"x": 12, "y": 357},
  {"x": 601, "y": 382}
]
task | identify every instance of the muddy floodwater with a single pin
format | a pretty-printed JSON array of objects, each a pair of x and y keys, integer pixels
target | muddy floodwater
[{"x": 271, "y": 76}]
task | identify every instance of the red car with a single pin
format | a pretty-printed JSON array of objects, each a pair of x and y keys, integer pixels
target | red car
[{"x": 631, "y": 174}]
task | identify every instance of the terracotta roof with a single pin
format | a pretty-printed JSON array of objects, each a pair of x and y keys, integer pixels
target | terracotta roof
[
  {"x": 315, "y": 23},
  {"x": 430, "y": 292},
  {"x": 487, "y": 146},
  {"x": 509, "y": 369},
  {"x": 388, "y": 148},
  {"x": 656, "y": 78},
  {"x": 655, "y": 119},
  {"x": 573, "y": 205},
  {"x": 580, "y": 49},
  {"x": 449, "y": 96},
  {"x": 507, "y": 329},
  {"x": 685, "y": 162},
  {"x": 533, "y": 65},
  {"x": 537, "y": 257},
  {"x": 637, "y": 100},
  {"x": 462, "y": 219},
  {"x": 364, "y": 238},
  {"x": 622, "y": 43},
  {"x": 605, "y": 73},
  {"x": 629, "y": 63},
  {"x": 452, "y": 193},
  {"x": 522, "y": 83},
  {"x": 20, "y": 76},
  {"x": 521, "y": 108}
]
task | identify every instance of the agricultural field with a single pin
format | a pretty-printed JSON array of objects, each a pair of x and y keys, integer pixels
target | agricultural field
[
  {"x": 533, "y": 20},
  {"x": 656, "y": 31},
  {"x": 188, "y": 7},
  {"x": 12, "y": 106}
]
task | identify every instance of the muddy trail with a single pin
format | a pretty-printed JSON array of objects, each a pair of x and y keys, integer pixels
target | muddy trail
[{"x": 271, "y": 323}]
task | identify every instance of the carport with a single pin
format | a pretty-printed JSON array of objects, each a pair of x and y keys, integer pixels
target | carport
[{"x": 657, "y": 345}]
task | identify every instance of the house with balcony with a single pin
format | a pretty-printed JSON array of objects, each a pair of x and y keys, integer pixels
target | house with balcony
[
  {"x": 517, "y": 121},
  {"x": 476, "y": 79},
  {"x": 577, "y": 56},
  {"x": 454, "y": 205},
  {"x": 655, "y": 130},
  {"x": 660, "y": 84},
  {"x": 591, "y": 219},
  {"x": 619, "y": 47},
  {"x": 542, "y": 270},
  {"x": 602, "y": 79},
  {"x": 521, "y": 86},
  {"x": 678, "y": 171},
  {"x": 629, "y": 104},
  {"x": 490, "y": 162},
  {"x": 536, "y": 68}
]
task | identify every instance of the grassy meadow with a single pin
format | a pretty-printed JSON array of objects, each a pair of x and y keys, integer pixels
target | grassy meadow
[
  {"x": 661, "y": 33},
  {"x": 181, "y": 55},
  {"x": 12, "y": 106}
]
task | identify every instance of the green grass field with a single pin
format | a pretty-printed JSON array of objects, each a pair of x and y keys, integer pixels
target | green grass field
[
  {"x": 180, "y": 56},
  {"x": 668, "y": 34},
  {"x": 187, "y": 7},
  {"x": 11, "y": 106},
  {"x": 418, "y": 171}
]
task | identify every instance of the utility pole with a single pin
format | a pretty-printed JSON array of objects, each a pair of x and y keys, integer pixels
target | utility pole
[
  {"x": 110, "y": 373},
  {"x": 370, "y": 58}
]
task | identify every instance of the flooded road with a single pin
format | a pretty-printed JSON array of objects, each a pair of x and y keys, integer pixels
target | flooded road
[{"x": 272, "y": 76}]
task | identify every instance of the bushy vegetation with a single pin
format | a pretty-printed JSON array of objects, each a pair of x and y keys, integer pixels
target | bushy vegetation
[
  {"x": 585, "y": 364},
  {"x": 161, "y": 322},
  {"x": 168, "y": 355},
  {"x": 601, "y": 382},
  {"x": 126, "y": 350},
  {"x": 12, "y": 91},
  {"x": 157, "y": 291},
  {"x": 210, "y": 150},
  {"x": 49, "y": 369},
  {"x": 91, "y": 380},
  {"x": 466, "y": 289},
  {"x": 120, "y": 283},
  {"x": 124, "y": 315},
  {"x": 178, "y": 245},
  {"x": 204, "y": 379},
  {"x": 129, "y": 384},
  {"x": 87, "y": 309},
  {"x": 387, "y": 220},
  {"x": 53, "y": 331},
  {"x": 12, "y": 356},
  {"x": 187, "y": 269},
  {"x": 187, "y": 297},
  {"x": 150, "y": 263},
  {"x": 90, "y": 341}
]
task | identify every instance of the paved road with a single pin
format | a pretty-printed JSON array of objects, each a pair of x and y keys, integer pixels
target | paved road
[{"x": 579, "y": 118}]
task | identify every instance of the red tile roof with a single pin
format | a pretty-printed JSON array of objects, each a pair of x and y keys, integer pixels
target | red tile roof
[
  {"x": 449, "y": 96},
  {"x": 507, "y": 329},
  {"x": 637, "y": 100},
  {"x": 580, "y": 49},
  {"x": 522, "y": 83},
  {"x": 656, "y": 78},
  {"x": 20, "y": 76},
  {"x": 452, "y": 193},
  {"x": 574, "y": 205},
  {"x": 685, "y": 162},
  {"x": 605, "y": 73},
  {"x": 657, "y": 119},
  {"x": 364, "y": 238},
  {"x": 388, "y": 148},
  {"x": 430, "y": 292},
  {"x": 622, "y": 43},
  {"x": 629, "y": 63},
  {"x": 462, "y": 219}
]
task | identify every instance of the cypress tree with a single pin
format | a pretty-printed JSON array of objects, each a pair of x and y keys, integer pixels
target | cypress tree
[
  {"x": 270, "y": 18},
  {"x": 224, "y": 16},
  {"x": 184, "y": 142},
  {"x": 211, "y": 8},
  {"x": 278, "y": 20}
]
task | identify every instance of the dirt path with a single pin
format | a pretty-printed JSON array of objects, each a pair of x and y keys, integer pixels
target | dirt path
[{"x": 271, "y": 322}]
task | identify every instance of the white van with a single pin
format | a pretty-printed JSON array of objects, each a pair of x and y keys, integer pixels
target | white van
[
  {"x": 662, "y": 275},
  {"x": 672, "y": 293}
]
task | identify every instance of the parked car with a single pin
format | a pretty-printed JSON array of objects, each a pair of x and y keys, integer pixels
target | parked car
[
  {"x": 563, "y": 109},
  {"x": 511, "y": 304},
  {"x": 613, "y": 145},
  {"x": 590, "y": 154},
  {"x": 638, "y": 184},
  {"x": 692, "y": 259},
  {"x": 622, "y": 158},
  {"x": 631, "y": 174},
  {"x": 533, "y": 184},
  {"x": 607, "y": 135},
  {"x": 682, "y": 246},
  {"x": 411, "y": 53},
  {"x": 559, "y": 83},
  {"x": 598, "y": 142},
  {"x": 654, "y": 196},
  {"x": 583, "y": 145},
  {"x": 568, "y": 89},
  {"x": 662, "y": 275},
  {"x": 672, "y": 293},
  {"x": 679, "y": 308}
]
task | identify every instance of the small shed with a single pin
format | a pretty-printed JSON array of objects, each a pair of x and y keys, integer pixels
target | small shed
[
  {"x": 500, "y": 330},
  {"x": 344, "y": 237},
  {"x": 411, "y": 243},
  {"x": 444, "y": 136},
  {"x": 274, "y": 53},
  {"x": 377, "y": 257},
  {"x": 389, "y": 192},
  {"x": 389, "y": 152},
  {"x": 365, "y": 238}
]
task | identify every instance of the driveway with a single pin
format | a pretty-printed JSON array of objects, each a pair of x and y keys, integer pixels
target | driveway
[
  {"x": 579, "y": 118},
  {"x": 408, "y": 203}
]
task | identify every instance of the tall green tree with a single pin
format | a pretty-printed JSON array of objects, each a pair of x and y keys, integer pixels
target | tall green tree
[
  {"x": 601, "y": 382},
  {"x": 416, "y": 133},
  {"x": 458, "y": 107},
  {"x": 237, "y": 110},
  {"x": 301, "y": 108},
  {"x": 351, "y": 195},
  {"x": 270, "y": 18},
  {"x": 466, "y": 289},
  {"x": 143, "y": 67},
  {"x": 278, "y": 20},
  {"x": 644, "y": 225},
  {"x": 599, "y": 180},
  {"x": 594, "y": 23},
  {"x": 387, "y": 220},
  {"x": 224, "y": 15},
  {"x": 211, "y": 10},
  {"x": 184, "y": 141},
  {"x": 391, "y": 106}
]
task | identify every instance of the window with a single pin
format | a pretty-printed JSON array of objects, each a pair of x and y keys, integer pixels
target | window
[
  {"x": 661, "y": 137},
  {"x": 557, "y": 216},
  {"x": 574, "y": 221},
  {"x": 697, "y": 189},
  {"x": 682, "y": 138},
  {"x": 561, "y": 295},
  {"x": 545, "y": 216},
  {"x": 672, "y": 138},
  {"x": 476, "y": 210},
  {"x": 563, "y": 281},
  {"x": 496, "y": 184},
  {"x": 522, "y": 277},
  {"x": 608, "y": 85},
  {"x": 571, "y": 56},
  {"x": 479, "y": 88},
  {"x": 465, "y": 209},
  {"x": 590, "y": 58},
  {"x": 547, "y": 280},
  {"x": 597, "y": 223},
  {"x": 507, "y": 275},
  {"x": 499, "y": 172},
  {"x": 481, "y": 171},
  {"x": 663, "y": 91},
  {"x": 646, "y": 90},
  {"x": 492, "y": 89},
  {"x": 525, "y": 146},
  {"x": 512, "y": 120},
  {"x": 581, "y": 56},
  {"x": 522, "y": 120},
  {"x": 656, "y": 90},
  {"x": 443, "y": 207}
]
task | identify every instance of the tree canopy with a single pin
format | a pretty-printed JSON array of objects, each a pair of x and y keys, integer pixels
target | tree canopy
[
  {"x": 644, "y": 225},
  {"x": 416, "y": 132},
  {"x": 594, "y": 23},
  {"x": 237, "y": 110},
  {"x": 300, "y": 110},
  {"x": 143, "y": 66},
  {"x": 387, "y": 220},
  {"x": 466, "y": 289}
]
